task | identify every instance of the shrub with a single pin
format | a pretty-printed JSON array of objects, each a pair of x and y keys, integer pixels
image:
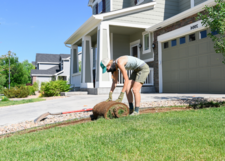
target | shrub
[
  {"x": 17, "y": 92},
  {"x": 1, "y": 89},
  {"x": 36, "y": 86},
  {"x": 5, "y": 99},
  {"x": 54, "y": 88},
  {"x": 31, "y": 90},
  {"x": 43, "y": 84}
]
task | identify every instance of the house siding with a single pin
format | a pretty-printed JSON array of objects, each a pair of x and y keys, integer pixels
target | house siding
[
  {"x": 121, "y": 45},
  {"x": 46, "y": 66},
  {"x": 184, "y": 5},
  {"x": 163, "y": 10},
  {"x": 120, "y": 4},
  {"x": 197, "y": 2},
  {"x": 66, "y": 68},
  {"x": 75, "y": 70},
  {"x": 138, "y": 36}
]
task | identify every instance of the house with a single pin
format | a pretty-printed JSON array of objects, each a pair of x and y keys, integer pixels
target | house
[
  {"x": 51, "y": 67},
  {"x": 145, "y": 29}
]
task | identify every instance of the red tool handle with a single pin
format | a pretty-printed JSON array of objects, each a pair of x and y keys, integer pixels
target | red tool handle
[{"x": 89, "y": 109}]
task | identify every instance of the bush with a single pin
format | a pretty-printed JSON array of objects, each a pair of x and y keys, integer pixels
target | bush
[
  {"x": 17, "y": 92},
  {"x": 31, "y": 90},
  {"x": 36, "y": 86},
  {"x": 1, "y": 89},
  {"x": 54, "y": 88},
  {"x": 5, "y": 99}
]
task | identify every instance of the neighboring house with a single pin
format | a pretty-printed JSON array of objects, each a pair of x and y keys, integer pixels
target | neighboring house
[
  {"x": 51, "y": 67},
  {"x": 134, "y": 27}
]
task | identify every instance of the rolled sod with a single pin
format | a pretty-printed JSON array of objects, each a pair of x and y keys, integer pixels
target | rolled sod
[{"x": 110, "y": 110}]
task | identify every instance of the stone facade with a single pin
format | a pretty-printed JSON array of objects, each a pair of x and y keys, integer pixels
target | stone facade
[{"x": 174, "y": 26}]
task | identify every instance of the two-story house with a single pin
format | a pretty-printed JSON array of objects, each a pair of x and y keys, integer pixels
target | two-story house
[
  {"x": 137, "y": 28},
  {"x": 51, "y": 67}
]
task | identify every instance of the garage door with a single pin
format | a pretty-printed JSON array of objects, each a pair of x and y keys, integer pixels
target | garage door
[{"x": 190, "y": 65}]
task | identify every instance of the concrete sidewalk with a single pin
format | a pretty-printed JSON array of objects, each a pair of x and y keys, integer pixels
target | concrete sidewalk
[{"x": 19, "y": 113}]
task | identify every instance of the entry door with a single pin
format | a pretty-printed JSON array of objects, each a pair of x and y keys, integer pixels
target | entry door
[{"x": 135, "y": 51}]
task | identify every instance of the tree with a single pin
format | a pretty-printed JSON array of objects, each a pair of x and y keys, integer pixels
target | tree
[
  {"x": 27, "y": 69},
  {"x": 19, "y": 72},
  {"x": 80, "y": 63},
  {"x": 214, "y": 18}
]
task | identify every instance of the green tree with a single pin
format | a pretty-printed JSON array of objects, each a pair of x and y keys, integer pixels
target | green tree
[
  {"x": 80, "y": 63},
  {"x": 18, "y": 73},
  {"x": 27, "y": 69},
  {"x": 214, "y": 18}
]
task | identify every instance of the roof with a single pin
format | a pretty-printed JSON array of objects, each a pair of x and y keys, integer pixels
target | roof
[
  {"x": 64, "y": 56},
  {"x": 53, "y": 58},
  {"x": 94, "y": 20},
  {"x": 182, "y": 15},
  {"x": 34, "y": 63},
  {"x": 50, "y": 71}
]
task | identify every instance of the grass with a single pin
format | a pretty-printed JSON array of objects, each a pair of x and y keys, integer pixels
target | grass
[
  {"x": 184, "y": 135},
  {"x": 9, "y": 103}
]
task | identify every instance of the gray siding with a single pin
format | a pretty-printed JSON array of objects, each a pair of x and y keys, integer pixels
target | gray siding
[
  {"x": 138, "y": 36},
  {"x": 197, "y": 2},
  {"x": 46, "y": 66},
  {"x": 66, "y": 68},
  {"x": 163, "y": 10},
  {"x": 120, "y": 4},
  {"x": 88, "y": 63},
  {"x": 74, "y": 61},
  {"x": 184, "y": 5},
  {"x": 121, "y": 45}
]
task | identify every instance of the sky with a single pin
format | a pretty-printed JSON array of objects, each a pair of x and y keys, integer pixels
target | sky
[{"x": 28, "y": 27}]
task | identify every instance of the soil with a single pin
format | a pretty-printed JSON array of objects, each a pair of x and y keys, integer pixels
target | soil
[{"x": 75, "y": 122}]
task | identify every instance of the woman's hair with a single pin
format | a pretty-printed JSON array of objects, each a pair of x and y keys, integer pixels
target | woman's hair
[{"x": 116, "y": 72}]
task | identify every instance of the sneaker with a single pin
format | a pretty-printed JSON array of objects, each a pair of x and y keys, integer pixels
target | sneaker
[
  {"x": 134, "y": 113},
  {"x": 131, "y": 111}
]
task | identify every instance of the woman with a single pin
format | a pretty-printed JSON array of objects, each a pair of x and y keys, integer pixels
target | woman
[{"x": 135, "y": 82}]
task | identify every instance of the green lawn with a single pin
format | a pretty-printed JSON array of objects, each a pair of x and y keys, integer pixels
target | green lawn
[
  {"x": 9, "y": 103},
  {"x": 184, "y": 135}
]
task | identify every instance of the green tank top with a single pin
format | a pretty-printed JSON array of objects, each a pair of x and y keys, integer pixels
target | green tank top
[{"x": 132, "y": 63}]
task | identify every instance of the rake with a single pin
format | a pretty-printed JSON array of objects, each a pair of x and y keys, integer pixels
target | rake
[{"x": 43, "y": 116}]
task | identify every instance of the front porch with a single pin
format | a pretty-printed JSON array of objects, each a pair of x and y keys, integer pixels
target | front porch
[{"x": 110, "y": 41}]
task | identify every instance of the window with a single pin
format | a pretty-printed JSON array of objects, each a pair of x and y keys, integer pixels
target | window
[
  {"x": 214, "y": 33},
  {"x": 192, "y": 37},
  {"x": 100, "y": 7},
  {"x": 137, "y": 2},
  {"x": 103, "y": 6},
  {"x": 173, "y": 42},
  {"x": 96, "y": 8},
  {"x": 182, "y": 40},
  {"x": 166, "y": 45},
  {"x": 146, "y": 43},
  {"x": 203, "y": 34}
]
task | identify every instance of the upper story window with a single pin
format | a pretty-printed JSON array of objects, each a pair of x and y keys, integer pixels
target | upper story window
[
  {"x": 99, "y": 6},
  {"x": 137, "y": 2},
  {"x": 146, "y": 42}
]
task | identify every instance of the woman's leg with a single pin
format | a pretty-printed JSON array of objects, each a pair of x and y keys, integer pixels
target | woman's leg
[
  {"x": 129, "y": 92},
  {"x": 136, "y": 89}
]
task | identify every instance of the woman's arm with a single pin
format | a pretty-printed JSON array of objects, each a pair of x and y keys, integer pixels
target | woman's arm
[
  {"x": 124, "y": 72},
  {"x": 114, "y": 83}
]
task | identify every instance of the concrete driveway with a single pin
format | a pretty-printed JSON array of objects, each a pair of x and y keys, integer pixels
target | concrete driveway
[{"x": 19, "y": 113}]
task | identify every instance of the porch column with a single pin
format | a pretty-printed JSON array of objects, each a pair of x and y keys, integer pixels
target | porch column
[
  {"x": 87, "y": 64},
  {"x": 103, "y": 51},
  {"x": 74, "y": 63}
]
